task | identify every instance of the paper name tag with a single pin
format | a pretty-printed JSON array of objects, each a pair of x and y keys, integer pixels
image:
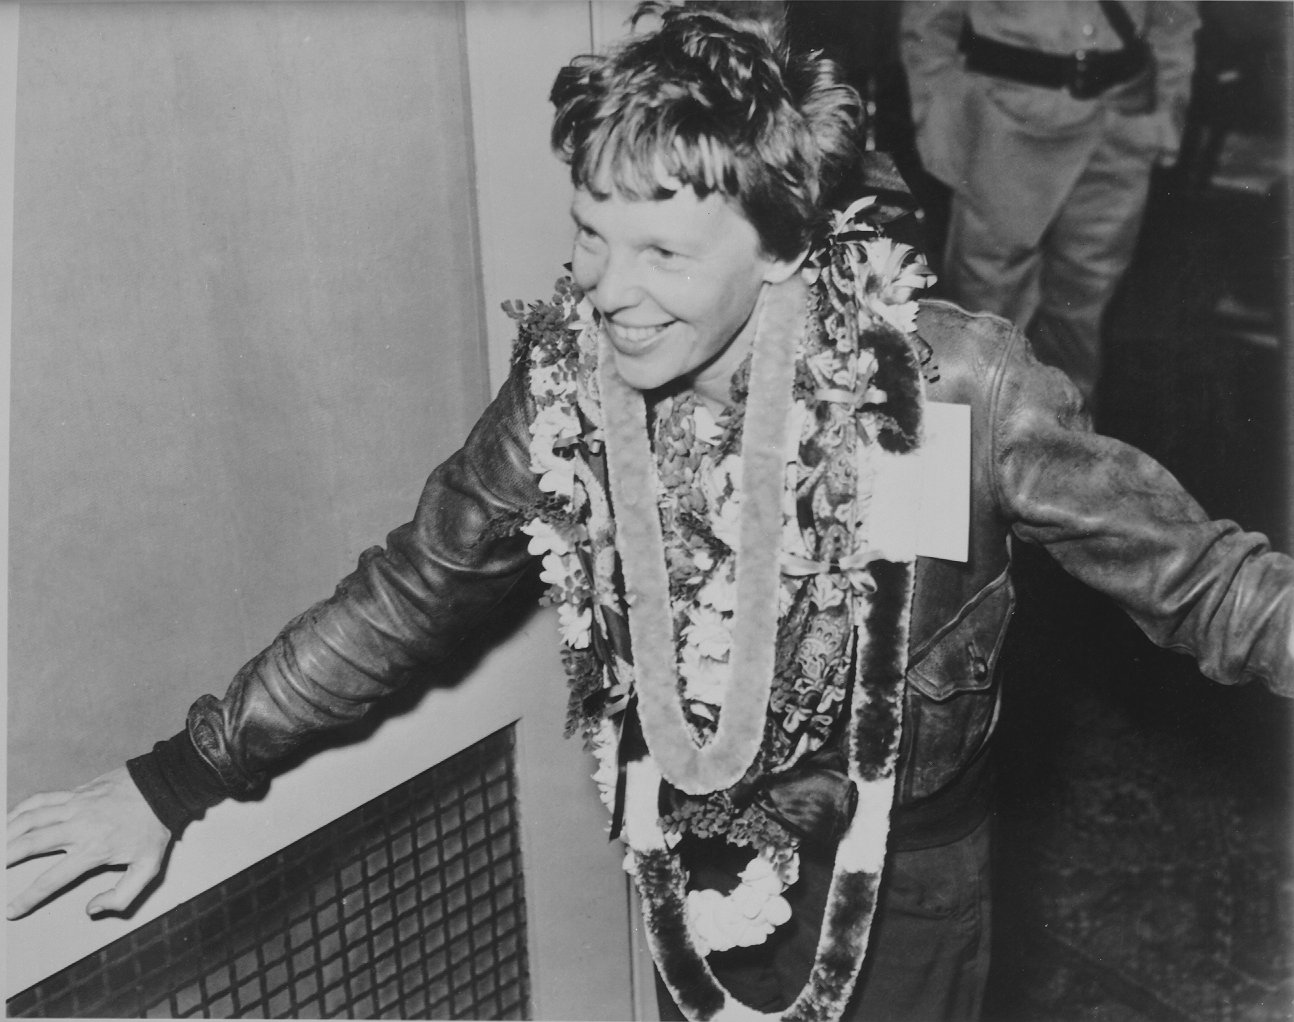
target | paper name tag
[{"x": 943, "y": 514}]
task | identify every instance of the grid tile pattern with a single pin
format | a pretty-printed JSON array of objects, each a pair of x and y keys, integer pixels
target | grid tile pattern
[{"x": 411, "y": 906}]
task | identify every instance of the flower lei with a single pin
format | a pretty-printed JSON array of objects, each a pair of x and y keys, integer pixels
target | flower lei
[{"x": 698, "y": 618}]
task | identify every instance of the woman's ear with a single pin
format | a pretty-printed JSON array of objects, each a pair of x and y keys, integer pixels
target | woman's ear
[{"x": 778, "y": 270}]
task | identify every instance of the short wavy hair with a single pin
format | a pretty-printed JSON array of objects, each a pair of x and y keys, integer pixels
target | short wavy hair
[{"x": 717, "y": 103}]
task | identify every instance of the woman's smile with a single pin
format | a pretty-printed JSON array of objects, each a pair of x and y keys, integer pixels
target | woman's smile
[{"x": 635, "y": 340}]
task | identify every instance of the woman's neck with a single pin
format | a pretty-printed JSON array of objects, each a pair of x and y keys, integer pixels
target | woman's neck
[{"x": 712, "y": 383}]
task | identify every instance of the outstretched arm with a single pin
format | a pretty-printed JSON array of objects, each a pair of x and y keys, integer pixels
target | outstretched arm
[
  {"x": 405, "y": 607},
  {"x": 1117, "y": 520}
]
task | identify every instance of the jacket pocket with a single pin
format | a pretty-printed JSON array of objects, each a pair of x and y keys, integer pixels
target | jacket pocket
[{"x": 952, "y": 694}]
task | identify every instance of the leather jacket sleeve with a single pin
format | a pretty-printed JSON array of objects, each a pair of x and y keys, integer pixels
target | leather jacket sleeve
[
  {"x": 403, "y": 608},
  {"x": 1118, "y": 521}
]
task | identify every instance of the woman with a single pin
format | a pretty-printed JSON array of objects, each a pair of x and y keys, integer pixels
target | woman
[{"x": 709, "y": 443}]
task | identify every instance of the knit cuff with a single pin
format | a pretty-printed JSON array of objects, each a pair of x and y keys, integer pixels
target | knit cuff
[{"x": 177, "y": 783}]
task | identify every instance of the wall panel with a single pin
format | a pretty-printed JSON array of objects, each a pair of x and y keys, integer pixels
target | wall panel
[{"x": 246, "y": 324}]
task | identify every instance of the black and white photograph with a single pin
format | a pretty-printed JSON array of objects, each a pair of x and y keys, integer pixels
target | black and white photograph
[{"x": 705, "y": 510}]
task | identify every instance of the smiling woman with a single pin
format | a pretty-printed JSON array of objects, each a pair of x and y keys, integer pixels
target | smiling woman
[{"x": 712, "y": 443}]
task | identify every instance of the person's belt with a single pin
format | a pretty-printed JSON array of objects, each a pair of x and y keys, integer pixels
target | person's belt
[{"x": 1085, "y": 74}]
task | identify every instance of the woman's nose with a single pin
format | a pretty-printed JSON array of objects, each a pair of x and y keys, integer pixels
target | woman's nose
[{"x": 618, "y": 285}]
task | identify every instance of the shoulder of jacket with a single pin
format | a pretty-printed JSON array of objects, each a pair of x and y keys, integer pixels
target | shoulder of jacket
[
  {"x": 942, "y": 324},
  {"x": 970, "y": 353},
  {"x": 984, "y": 360},
  {"x": 546, "y": 331}
]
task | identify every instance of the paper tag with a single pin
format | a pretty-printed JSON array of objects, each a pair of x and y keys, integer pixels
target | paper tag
[{"x": 943, "y": 513}]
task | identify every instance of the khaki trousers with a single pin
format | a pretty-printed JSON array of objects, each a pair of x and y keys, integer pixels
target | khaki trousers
[{"x": 1054, "y": 280}]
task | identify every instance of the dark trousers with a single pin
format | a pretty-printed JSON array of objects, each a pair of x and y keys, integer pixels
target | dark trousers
[{"x": 927, "y": 960}]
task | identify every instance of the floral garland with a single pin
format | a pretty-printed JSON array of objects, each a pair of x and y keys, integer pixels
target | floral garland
[
  {"x": 722, "y": 761},
  {"x": 850, "y": 384}
]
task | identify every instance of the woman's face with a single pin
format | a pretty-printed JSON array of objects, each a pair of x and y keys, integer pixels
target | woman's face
[{"x": 676, "y": 281}]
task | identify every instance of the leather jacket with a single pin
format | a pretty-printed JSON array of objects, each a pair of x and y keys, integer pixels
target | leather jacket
[{"x": 1110, "y": 515}]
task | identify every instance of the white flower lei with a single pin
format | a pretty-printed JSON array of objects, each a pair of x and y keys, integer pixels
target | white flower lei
[
  {"x": 886, "y": 280},
  {"x": 750, "y": 912}
]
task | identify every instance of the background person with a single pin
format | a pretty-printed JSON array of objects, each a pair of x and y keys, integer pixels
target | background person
[{"x": 1045, "y": 120}]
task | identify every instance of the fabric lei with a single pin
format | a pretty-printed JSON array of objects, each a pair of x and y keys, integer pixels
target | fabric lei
[{"x": 757, "y": 623}]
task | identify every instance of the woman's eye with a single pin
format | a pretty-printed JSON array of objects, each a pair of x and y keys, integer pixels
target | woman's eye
[{"x": 663, "y": 256}]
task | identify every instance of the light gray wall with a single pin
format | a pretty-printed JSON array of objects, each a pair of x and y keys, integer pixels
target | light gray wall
[{"x": 246, "y": 323}]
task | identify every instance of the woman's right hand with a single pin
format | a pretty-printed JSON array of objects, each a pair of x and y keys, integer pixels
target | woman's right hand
[{"x": 103, "y": 823}]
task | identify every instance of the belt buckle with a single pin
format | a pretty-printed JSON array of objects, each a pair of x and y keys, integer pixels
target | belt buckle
[{"x": 1084, "y": 82}]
